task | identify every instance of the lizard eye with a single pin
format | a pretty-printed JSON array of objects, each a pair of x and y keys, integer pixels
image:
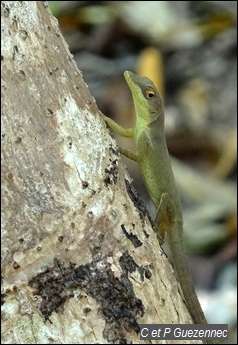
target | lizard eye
[{"x": 149, "y": 94}]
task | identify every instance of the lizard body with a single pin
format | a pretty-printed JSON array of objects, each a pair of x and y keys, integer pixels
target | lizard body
[{"x": 154, "y": 163}]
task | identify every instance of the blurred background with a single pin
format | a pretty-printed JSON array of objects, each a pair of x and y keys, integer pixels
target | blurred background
[{"x": 189, "y": 50}]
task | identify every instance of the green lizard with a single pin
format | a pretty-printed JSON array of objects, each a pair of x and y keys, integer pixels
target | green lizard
[{"x": 154, "y": 163}]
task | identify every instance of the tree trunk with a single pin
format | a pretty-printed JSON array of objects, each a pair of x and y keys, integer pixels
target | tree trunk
[{"x": 81, "y": 263}]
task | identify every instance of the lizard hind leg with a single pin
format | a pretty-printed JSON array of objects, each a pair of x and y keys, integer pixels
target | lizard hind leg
[
  {"x": 164, "y": 216},
  {"x": 129, "y": 154}
]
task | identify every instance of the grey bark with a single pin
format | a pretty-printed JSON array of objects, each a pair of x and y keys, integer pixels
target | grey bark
[{"x": 81, "y": 263}]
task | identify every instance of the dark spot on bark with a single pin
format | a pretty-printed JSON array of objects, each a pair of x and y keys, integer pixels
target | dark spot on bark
[
  {"x": 22, "y": 75},
  {"x": 146, "y": 234},
  {"x": 15, "y": 265},
  {"x": 96, "y": 253},
  {"x": 86, "y": 310},
  {"x": 115, "y": 152},
  {"x": 111, "y": 173},
  {"x": 118, "y": 303},
  {"x": 148, "y": 273},
  {"x": 133, "y": 238},
  {"x": 9, "y": 176},
  {"x": 129, "y": 265},
  {"x": 6, "y": 12},
  {"x": 23, "y": 34},
  {"x": 54, "y": 286},
  {"x": 115, "y": 296},
  {"x": 84, "y": 184},
  {"x": 90, "y": 215},
  {"x": 14, "y": 24},
  {"x": 18, "y": 140},
  {"x": 70, "y": 144},
  {"x": 50, "y": 111},
  {"x": 15, "y": 51},
  {"x": 3, "y": 297},
  {"x": 60, "y": 238},
  {"x": 138, "y": 202},
  {"x": 101, "y": 237}
]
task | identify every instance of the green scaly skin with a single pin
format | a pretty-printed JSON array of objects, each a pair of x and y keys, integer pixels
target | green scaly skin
[{"x": 154, "y": 163}]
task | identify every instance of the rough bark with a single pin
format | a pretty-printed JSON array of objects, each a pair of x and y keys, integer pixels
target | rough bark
[{"x": 81, "y": 263}]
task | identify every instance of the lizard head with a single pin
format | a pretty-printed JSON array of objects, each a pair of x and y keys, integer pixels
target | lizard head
[{"x": 147, "y": 100}]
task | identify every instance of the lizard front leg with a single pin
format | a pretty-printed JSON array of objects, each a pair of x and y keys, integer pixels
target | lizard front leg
[{"x": 124, "y": 132}]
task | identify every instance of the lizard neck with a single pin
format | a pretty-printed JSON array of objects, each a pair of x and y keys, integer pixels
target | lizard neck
[{"x": 154, "y": 129}]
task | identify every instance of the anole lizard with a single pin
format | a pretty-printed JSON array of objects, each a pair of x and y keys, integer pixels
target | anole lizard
[{"x": 154, "y": 163}]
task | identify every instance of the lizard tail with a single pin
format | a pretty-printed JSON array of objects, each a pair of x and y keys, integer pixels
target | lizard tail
[{"x": 181, "y": 264}]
